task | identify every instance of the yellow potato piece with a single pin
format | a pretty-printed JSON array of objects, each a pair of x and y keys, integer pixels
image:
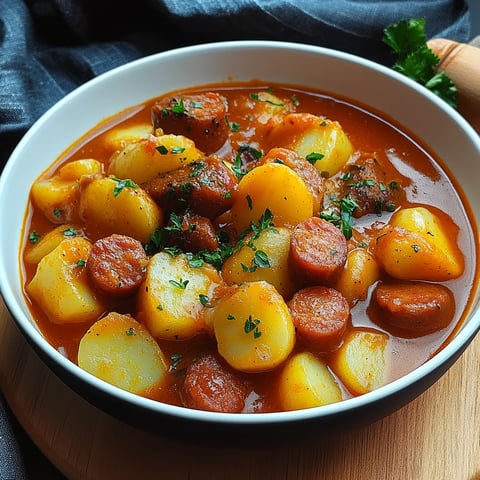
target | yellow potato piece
[
  {"x": 55, "y": 197},
  {"x": 49, "y": 242},
  {"x": 306, "y": 382},
  {"x": 60, "y": 285},
  {"x": 308, "y": 134},
  {"x": 361, "y": 363},
  {"x": 171, "y": 302},
  {"x": 112, "y": 206},
  {"x": 417, "y": 247},
  {"x": 84, "y": 166},
  {"x": 246, "y": 265},
  {"x": 253, "y": 328},
  {"x": 360, "y": 272},
  {"x": 273, "y": 187},
  {"x": 119, "y": 137},
  {"x": 149, "y": 157},
  {"x": 120, "y": 351}
]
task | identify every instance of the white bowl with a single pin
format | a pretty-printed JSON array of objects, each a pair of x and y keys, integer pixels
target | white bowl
[{"x": 379, "y": 88}]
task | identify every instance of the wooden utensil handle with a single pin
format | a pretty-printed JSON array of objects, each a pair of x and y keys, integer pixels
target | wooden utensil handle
[{"x": 461, "y": 62}]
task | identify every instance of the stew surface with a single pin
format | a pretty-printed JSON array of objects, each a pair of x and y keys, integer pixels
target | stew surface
[{"x": 248, "y": 248}]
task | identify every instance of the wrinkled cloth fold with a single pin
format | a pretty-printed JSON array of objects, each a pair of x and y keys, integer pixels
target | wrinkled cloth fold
[{"x": 49, "y": 47}]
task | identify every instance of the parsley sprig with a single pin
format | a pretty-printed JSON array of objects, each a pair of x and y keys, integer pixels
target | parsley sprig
[{"x": 416, "y": 60}]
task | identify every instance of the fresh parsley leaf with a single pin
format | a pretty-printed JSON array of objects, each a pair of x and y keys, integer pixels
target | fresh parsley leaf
[{"x": 416, "y": 60}]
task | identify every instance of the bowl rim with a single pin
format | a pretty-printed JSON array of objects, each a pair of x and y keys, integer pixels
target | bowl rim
[{"x": 451, "y": 351}]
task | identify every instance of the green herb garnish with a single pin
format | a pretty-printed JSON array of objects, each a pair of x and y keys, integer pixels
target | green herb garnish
[{"x": 416, "y": 60}]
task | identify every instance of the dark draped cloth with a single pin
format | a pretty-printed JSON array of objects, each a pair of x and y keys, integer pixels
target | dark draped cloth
[{"x": 49, "y": 47}]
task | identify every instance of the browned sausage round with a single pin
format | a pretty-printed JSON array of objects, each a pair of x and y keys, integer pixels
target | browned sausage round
[
  {"x": 318, "y": 252},
  {"x": 211, "y": 385},
  {"x": 193, "y": 234},
  {"x": 320, "y": 315},
  {"x": 117, "y": 264},
  {"x": 201, "y": 117},
  {"x": 205, "y": 187},
  {"x": 415, "y": 307}
]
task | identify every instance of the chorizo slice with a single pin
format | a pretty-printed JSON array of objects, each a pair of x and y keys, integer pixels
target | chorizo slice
[
  {"x": 210, "y": 384},
  {"x": 191, "y": 233},
  {"x": 205, "y": 187},
  {"x": 366, "y": 182},
  {"x": 200, "y": 117},
  {"x": 320, "y": 315},
  {"x": 117, "y": 264},
  {"x": 415, "y": 307},
  {"x": 318, "y": 252}
]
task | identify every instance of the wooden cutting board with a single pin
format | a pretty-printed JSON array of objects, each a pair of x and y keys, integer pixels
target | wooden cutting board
[{"x": 437, "y": 436}]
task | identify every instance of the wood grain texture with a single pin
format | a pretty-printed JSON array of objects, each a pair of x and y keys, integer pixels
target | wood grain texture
[{"x": 437, "y": 436}]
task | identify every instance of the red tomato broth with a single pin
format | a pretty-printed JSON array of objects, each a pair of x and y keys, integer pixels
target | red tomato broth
[{"x": 368, "y": 132}]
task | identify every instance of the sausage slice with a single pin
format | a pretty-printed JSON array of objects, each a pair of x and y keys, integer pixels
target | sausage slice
[
  {"x": 415, "y": 307},
  {"x": 320, "y": 315},
  {"x": 117, "y": 264},
  {"x": 211, "y": 385},
  {"x": 318, "y": 252},
  {"x": 200, "y": 117},
  {"x": 205, "y": 187}
]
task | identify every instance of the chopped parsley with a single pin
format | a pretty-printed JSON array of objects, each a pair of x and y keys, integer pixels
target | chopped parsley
[
  {"x": 314, "y": 157},
  {"x": 34, "y": 237},
  {"x": 121, "y": 184},
  {"x": 182, "y": 284},
  {"x": 251, "y": 325}
]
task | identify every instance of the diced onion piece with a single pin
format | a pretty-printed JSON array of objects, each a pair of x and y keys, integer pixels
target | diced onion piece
[{"x": 120, "y": 351}]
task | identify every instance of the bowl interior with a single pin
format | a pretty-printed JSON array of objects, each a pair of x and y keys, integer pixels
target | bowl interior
[{"x": 378, "y": 88}]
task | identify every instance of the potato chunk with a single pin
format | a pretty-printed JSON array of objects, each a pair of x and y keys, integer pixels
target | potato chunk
[
  {"x": 109, "y": 205},
  {"x": 76, "y": 169},
  {"x": 273, "y": 187},
  {"x": 149, "y": 157},
  {"x": 306, "y": 382},
  {"x": 171, "y": 302},
  {"x": 60, "y": 285},
  {"x": 253, "y": 328},
  {"x": 360, "y": 272},
  {"x": 418, "y": 247},
  {"x": 361, "y": 362},
  {"x": 120, "y": 351},
  {"x": 49, "y": 242},
  {"x": 119, "y": 137},
  {"x": 262, "y": 258},
  {"x": 57, "y": 196},
  {"x": 320, "y": 140}
]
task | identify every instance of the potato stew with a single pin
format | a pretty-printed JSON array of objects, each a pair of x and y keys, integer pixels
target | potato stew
[{"x": 248, "y": 248}]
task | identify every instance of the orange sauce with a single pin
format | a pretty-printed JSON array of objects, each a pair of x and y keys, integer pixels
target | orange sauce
[{"x": 429, "y": 184}]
